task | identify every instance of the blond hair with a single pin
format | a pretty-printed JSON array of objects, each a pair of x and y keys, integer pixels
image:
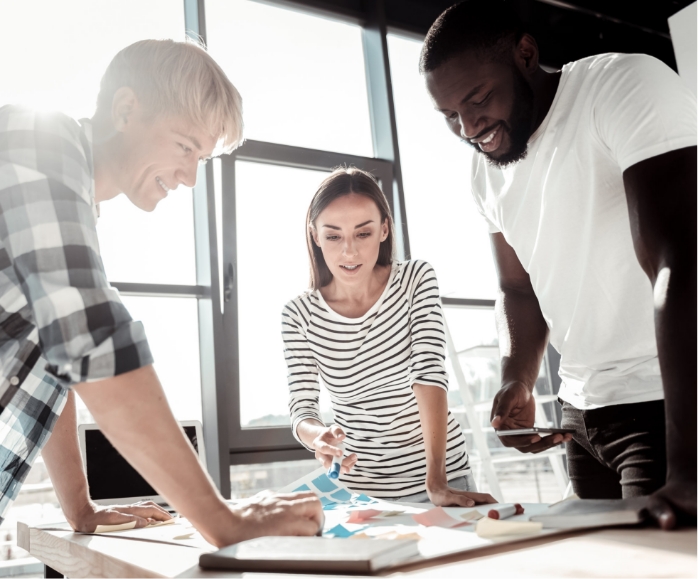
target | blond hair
[{"x": 180, "y": 79}]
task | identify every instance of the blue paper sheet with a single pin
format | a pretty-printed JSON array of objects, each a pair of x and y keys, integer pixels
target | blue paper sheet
[
  {"x": 324, "y": 484},
  {"x": 341, "y": 532}
]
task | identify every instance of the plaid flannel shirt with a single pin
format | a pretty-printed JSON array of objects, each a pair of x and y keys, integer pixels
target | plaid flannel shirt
[{"x": 60, "y": 321}]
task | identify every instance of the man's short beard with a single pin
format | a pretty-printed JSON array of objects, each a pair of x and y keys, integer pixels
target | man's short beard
[{"x": 517, "y": 126}]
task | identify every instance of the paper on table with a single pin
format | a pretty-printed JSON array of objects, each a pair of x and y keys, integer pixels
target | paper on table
[
  {"x": 330, "y": 492},
  {"x": 437, "y": 517},
  {"x": 342, "y": 532},
  {"x": 471, "y": 516},
  {"x": 130, "y": 525},
  {"x": 488, "y": 528},
  {"x": 361, "y": 515},
  {"x": 114, "y": 528}
]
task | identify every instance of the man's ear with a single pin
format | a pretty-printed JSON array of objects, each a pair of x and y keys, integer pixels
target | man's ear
[
  {"x": 123, "y": 106},
  {"x": 526, "y": 54}
]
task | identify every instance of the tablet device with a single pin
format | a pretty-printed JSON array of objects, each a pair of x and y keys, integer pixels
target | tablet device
[
  {"x": 534, "y": 430},
  {"x": 111, "y": 479}
]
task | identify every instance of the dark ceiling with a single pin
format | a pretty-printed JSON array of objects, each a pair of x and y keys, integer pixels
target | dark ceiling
[{"x": 566, "y": 30}]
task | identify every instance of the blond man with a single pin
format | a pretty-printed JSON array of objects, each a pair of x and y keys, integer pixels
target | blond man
[{"x": 163, "y": 107}]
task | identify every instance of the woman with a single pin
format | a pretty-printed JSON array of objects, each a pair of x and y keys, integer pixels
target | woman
[{"x": 372, "y": 328}]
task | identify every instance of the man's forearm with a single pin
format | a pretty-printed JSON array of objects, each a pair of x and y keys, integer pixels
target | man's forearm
[
  {"x": 523, "y": 336},
  {"x": 132, "y": 411},
  {"x": 61, "y": 456},
  {"x": 675, "y": 322}
]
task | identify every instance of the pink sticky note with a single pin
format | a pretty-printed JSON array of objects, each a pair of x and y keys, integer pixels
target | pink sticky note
[
  {"x": 437, "y": 517},
  {"x": 362, "y": 515}
]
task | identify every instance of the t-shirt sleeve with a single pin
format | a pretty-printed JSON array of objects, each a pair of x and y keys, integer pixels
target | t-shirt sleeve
[
  {"x": 48, "y": 236},
  {"x": 478, "y": 190},
  {"x": 303, "y": 382},
  {"x": 428, "y": 344},
  {"x": 643, "y": 109}
]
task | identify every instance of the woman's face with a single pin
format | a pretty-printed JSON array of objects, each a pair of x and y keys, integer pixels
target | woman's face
[{"x": 349, "y": 231}]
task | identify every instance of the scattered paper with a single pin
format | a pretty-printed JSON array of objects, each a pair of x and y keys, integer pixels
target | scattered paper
[
  {"x": 391, "y": 513},
  {"x": 437, "y": 517},
  {"x": 390, "y": 535},
  {"x": 471, "y": 516},
  {"x": 362, "y": 515},
  {"x": 342, "y": 532},
  {"x": 114, "y": 528},
  {"x": 330, "y": 492},
  {"x": 488, "y": 528}
]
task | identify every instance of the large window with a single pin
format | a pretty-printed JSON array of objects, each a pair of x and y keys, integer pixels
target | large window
[
  {"x": 301, "y": 77},
  {"x": 445, "y": 228}
]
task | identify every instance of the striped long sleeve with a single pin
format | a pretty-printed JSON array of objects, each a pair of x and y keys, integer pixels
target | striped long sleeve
[{"x": 369, "y": 365}]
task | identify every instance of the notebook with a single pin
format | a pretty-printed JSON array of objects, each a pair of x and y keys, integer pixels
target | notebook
[
  {"x": 311, "y": 554},
  {"x": 583, "y": 513}
]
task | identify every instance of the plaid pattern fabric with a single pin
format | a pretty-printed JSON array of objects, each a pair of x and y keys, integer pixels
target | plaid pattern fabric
[{"x": 60, "y": 321}]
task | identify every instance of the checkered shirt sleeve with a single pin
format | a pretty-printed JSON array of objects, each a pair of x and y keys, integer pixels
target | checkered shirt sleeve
[{"x": 61, "y": 322}]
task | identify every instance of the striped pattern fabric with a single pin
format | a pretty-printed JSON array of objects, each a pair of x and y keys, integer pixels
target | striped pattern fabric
[
  {"x": 369, "y": 365},
  {"x": 60, "y": 321}
]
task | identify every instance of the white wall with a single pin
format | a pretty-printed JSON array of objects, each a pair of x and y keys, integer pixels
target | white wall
[{"x": 682, "y": 26}]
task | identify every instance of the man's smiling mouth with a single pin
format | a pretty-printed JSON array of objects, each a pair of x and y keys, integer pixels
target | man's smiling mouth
[{"x": 165, "y": 188}]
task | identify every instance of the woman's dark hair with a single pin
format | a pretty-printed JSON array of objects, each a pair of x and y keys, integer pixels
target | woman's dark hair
[{"x": 344, "y": 181}]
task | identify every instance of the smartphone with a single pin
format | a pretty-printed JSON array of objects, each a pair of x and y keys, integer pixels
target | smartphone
[{"x": 534, "y": 430}]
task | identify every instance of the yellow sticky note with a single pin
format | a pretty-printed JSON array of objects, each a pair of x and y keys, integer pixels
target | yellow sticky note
[
  {"x": 489, "y": 528},
  {"x": 472, "y": 516}
]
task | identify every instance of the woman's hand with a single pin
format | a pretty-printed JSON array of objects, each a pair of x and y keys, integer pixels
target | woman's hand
[
  {"x": 442, "y": 495},
  {"x": 326, "y": 445},
  {"x": 143, "y": 513}
]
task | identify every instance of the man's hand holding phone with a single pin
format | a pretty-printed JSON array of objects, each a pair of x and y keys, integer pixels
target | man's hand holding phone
[{"x": 514, "y": 408}]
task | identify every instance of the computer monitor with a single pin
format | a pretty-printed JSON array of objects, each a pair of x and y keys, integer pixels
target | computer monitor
[{"x": 111, "y": 479}]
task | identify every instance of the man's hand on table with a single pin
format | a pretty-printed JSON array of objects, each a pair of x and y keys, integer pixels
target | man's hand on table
[
  {"x": 674, "y": 503},
  {"x": 267, "y": 513},
  {"x": 143, "y": 513},
  {"x": 514, "y": 407}
]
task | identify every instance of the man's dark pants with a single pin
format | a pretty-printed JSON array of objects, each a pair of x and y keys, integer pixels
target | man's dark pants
[{"x": 616, "y": 451}]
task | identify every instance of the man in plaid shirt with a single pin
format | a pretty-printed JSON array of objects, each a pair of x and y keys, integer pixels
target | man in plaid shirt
[{"x": 163, "y": 107}]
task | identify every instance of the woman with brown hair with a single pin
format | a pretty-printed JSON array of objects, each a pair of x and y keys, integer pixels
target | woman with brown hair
[{"x": 372, "y": 328}]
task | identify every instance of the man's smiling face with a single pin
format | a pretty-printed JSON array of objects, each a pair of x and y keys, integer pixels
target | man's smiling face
[
  {"x": 487, "y": 104},
  {"x": 158, "y": 155}
]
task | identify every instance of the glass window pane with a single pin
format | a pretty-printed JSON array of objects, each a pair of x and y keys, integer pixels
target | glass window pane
[
  {"x": 475, "y": 340},
  {"x": 249, "y": 479},
  {"x": 444, "y": 226},
  {"x": 172, "y": 327},
  {"x": 301, "y": 77},
  {"x": 272, "y": 269},
  {"x": 156, "y": 247},
  {"x": 61, "y": 49}
]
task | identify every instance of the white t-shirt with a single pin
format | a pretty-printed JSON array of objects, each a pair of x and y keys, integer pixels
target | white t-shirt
[{"x": 564, "y": 211}]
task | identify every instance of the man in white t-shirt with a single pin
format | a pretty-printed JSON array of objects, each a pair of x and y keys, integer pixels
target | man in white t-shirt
[{"x": 587, "y": 180}]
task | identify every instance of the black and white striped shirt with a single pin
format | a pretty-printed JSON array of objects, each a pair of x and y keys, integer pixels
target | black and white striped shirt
[{"x": 369, "y": 365}]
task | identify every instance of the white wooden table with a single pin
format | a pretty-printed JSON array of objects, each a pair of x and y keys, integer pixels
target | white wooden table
[{"x": 619, "y": 552}]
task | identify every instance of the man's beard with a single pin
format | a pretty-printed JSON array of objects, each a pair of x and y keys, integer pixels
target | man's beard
[{"x": 517, "y": 126}]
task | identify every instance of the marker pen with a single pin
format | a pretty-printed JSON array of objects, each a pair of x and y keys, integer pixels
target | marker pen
[
  {"x": 333, "y": 471},
  {"x": 505, "y": 511}
]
